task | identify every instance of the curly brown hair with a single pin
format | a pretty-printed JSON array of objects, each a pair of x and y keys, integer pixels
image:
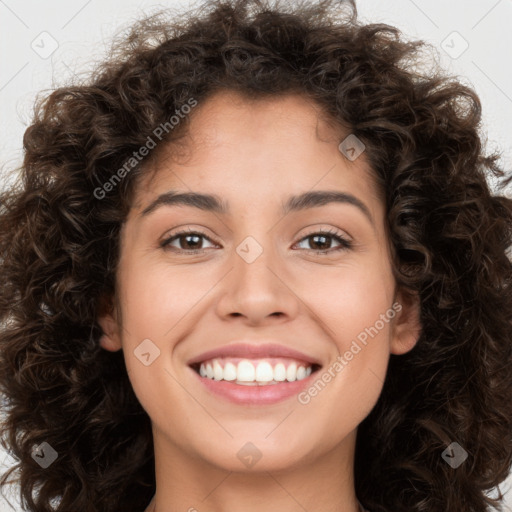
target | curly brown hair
[{"x": 59, "y": 247}]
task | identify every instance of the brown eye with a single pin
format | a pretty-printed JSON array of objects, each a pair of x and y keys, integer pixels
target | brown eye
[
  {"x": 188, "y": 241},
  {"x": 321, "y": 241}
]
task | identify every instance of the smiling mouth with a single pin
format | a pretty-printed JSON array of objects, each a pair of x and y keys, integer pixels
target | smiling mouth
[{"x": 254, "y": 372}]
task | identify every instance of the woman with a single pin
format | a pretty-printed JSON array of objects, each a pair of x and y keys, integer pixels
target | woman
[{"x": 255, "y": 264}]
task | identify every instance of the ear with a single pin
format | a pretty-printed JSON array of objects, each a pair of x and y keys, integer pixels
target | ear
[
  {"x": 406, "y": 327},
  {"x": 107, "y": 319}
]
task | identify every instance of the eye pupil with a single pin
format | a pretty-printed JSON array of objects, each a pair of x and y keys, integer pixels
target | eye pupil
[
  {"x": 187, "y": 237},
  {"x": 323, "y": 237}
]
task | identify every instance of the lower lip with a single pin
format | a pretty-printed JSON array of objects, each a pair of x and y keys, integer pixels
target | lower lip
[{"x": 254, "y": 395}]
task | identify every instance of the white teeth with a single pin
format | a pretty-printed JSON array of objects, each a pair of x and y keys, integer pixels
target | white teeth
[
  {"x": 264, "y": 372},
  {"x": 218, "y": 374},
  {"x": 291, "y": 373},
  {"x": 280, "y": 372},
  {"x": 253, "y": 373},
  {"x": 229, "y": 371},
  {"x": 301, "y": 373},
  {"x": 245, "y": 372}
]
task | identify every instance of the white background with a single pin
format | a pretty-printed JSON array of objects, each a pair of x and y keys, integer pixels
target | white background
[{"x": 82, "y": 30}]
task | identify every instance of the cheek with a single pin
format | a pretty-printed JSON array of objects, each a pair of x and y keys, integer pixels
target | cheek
[
  {"x": 354, "y": 307},
  {"x": 350, "y": 300},
  {"x": 157, "y": 296},
  {"x": 159, "y": 301}
]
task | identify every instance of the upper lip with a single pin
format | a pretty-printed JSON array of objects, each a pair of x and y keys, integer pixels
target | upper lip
[{"x": 259, "y": 351}]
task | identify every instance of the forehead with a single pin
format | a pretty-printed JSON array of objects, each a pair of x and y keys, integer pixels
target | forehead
[{"x": 234, "y": 144}]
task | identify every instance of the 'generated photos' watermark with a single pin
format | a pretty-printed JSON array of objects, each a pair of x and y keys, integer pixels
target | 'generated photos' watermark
[{"x": 158, "y": 133}]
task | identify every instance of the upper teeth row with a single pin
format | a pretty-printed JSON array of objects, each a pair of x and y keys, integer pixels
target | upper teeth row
[{"x": 246, "y": 371}]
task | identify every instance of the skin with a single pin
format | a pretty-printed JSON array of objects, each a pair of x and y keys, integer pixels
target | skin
[{"x": 254, "y": 155}]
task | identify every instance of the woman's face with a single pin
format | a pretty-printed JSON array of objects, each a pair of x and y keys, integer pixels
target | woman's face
[{"x": 306, "y": 275}]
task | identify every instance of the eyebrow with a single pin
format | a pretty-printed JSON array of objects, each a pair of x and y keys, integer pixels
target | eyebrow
[{"x": 212, "y": 203}]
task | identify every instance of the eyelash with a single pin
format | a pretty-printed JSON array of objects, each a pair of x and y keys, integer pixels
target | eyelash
[{"x": 344, "y": 243}]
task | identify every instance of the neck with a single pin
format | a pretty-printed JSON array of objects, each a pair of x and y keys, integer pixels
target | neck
[{"x": 322, "y": 483}]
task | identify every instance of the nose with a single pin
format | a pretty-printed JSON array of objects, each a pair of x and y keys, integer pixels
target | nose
[{"x": 258, "y": 288}]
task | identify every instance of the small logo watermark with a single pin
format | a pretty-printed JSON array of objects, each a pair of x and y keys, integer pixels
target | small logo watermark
[
  {"x": 454, "y": 45},
  {"x": 249, "y": 249},
  {"x": 146, "y": 352},
  {"x": 44, "y": 454},
  {"x": 44, "y": 45},
  {"x": 249, "y": 454},
  {"x": 352, "y": 147},
  {"x": 454, "y": 455}
]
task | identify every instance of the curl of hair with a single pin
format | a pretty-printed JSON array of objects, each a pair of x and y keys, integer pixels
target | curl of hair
[{"x": 59, "y": 248}]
